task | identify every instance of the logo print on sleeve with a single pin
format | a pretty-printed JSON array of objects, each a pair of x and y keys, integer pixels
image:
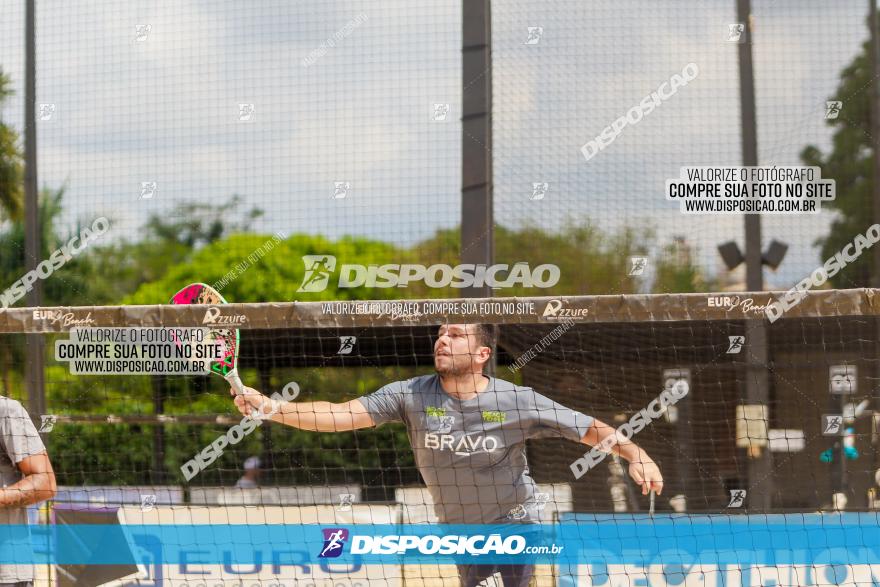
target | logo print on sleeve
[{"x": 441, "y": 424}]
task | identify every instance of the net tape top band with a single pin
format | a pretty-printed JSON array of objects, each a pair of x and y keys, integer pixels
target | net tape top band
[{"x": 522, "y": 310}]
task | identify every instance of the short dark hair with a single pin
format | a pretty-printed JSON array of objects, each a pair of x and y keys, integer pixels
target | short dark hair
[{"x": 485, "y": 334}]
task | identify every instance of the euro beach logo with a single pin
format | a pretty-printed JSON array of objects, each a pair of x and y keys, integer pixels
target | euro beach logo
[
  {"x": 319, "y": 268},
  {"x": 635, "y": 114}
]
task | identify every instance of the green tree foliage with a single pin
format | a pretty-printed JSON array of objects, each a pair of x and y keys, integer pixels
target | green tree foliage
[
  {"x": 849, "y": 163},
  {"x": 194, "y": 224},
  {"x": 11, "y": 170},
  {"x": 676, "y": 271},
  {"x": 166, "y": 241},
  {"x": 590, "y": 260},
  {"x": 275, "y": 276},
  {"x": 66, "y": 286}
]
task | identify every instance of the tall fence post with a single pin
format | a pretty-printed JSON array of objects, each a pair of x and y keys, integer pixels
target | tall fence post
[{"x": 35, "y": 344}]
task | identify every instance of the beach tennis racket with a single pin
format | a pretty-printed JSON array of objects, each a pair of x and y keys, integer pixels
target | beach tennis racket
[{"x": 227, "y": 338}]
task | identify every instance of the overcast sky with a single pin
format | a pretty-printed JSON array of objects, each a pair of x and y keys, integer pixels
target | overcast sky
[{"x": 165, "y": 108}]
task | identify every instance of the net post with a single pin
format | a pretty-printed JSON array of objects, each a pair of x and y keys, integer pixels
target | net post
[
  {"x": 874, "y": 27},
  {"x": 36, "y": 383},
  {"x": 158, "y": 384},
  {"x": 477, "y": 217},
  {"x": 760, "y": 463},
  {"x": 477, "y": 230},
  {"x": 757, "y": 386},
  {"x": 268, "y": 465}
]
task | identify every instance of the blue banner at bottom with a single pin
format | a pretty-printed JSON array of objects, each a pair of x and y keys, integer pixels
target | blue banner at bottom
[{"x": 579, "y": 539}]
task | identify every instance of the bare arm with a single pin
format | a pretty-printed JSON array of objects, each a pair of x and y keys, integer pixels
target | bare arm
[
  {"x": 315, "y": 416},
  {"x": 37, "y": 485},
  {"x": 642, "y": 467}
]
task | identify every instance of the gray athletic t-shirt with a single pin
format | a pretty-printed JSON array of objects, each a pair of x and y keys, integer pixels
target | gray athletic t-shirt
[
  {"x": 472, "y": 454},
  {"x": 19, "y": 439}
]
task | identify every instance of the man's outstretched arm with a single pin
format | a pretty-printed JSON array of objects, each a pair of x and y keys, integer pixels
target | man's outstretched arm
[
  {"x": 642, "y": 467},
  {"x": 38, "y": 483},
  {"x": 315, "y": 416}
]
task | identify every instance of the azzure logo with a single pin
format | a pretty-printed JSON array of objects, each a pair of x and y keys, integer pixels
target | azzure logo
[
  {"x": 334, "y": 540},
  {"x": 213, "y": 316},
  {"x": 556, "y": 310}
]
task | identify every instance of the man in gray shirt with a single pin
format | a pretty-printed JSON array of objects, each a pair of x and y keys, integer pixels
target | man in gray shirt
[
  {"x": 26, "y": 476},
  {"x": 468, "y": 434}
]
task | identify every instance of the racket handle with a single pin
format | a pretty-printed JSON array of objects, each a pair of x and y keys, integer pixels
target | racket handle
[{"x": 235, "y": 381}]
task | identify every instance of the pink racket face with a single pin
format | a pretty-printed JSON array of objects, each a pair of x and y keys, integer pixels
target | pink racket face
[{"x": 200, "y": 293}]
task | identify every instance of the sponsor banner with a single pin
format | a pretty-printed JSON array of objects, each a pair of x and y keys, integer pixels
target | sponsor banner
[
  {"x": 830, "y": 303},
  {"x": 313, "y": 544},
  {"x": 721, "y": 539},
  {"x": 563, "y": 311},
  {"x": 631, "y": 539},
  {"x": 282, "y": 565},
  {"x": 708, "y": 575},
  {"x": 739, "y": 304}
]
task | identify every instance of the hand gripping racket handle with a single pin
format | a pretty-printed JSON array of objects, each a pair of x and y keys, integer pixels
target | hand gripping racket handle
[{"x": 235, "y": 381}]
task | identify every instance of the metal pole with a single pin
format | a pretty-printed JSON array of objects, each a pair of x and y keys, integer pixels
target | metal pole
[
  {"x": 874, "y": 26},
  {"x": 760, "y": 484},
  {"x": 267, "y": 465},
  {"x": 754, "y": 268},
  {"x": 477, "y": 230},
  {"x": 160, "y": 386},
  {"x": 875, "y": 123},
  {"x": 34, "y": 342},
  {"x": 477, "y": 222},
  {"x": 838, "y": 456}
]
